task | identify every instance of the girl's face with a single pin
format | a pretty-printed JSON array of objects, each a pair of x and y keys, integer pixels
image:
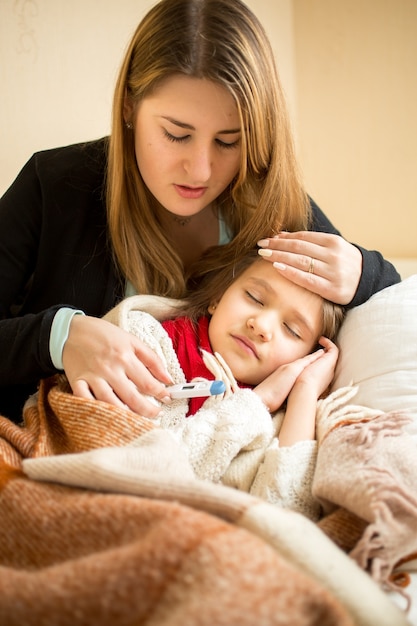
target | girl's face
[
  {"x": 187, "y": 142},
  {"x": 263, "y": 321}
]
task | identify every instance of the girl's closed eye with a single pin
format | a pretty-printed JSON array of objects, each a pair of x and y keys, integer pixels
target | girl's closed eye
[
  {"x": 252, "y": 297},
  {"x": 291, "y": 331}
]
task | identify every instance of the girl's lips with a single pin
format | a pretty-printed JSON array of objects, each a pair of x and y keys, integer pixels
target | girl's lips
[
  {"x": 190, "y": 192},
  {"x": 246, "y": 345}
]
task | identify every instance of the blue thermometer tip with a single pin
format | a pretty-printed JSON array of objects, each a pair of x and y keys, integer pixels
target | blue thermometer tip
[{"x": 217, "y": 387}]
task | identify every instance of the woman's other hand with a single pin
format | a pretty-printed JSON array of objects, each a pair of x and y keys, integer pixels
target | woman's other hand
[
  {"x": 104, "y": 362},
  {"x": 324, "y": 263}
]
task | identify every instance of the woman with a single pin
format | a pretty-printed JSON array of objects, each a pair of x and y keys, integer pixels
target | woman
[{"x": 200, "y": 154}]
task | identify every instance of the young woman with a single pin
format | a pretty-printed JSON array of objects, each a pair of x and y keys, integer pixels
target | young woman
[{"x": 199, "y": 167}]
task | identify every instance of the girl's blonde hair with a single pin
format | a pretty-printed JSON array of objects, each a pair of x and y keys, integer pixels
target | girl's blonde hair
[{"x": 221, "y": 41}]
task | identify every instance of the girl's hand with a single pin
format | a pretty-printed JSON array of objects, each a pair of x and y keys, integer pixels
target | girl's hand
[
  {"x": 319, "y": 374},
  {"x": 275, "y": 389},
  {"x": 314, "y": 371},
  {"x": 102, "y": 361},
  {"x": 321, "y": 262}
]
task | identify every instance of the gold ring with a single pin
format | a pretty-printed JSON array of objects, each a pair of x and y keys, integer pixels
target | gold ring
[{"x": 311, "y": 268}]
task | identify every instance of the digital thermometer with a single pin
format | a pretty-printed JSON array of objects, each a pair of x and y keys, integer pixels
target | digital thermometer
[{"x": 199, "y": 389}]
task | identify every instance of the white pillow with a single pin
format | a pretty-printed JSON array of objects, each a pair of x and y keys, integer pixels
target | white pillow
[{"x": 378, "y": 350}]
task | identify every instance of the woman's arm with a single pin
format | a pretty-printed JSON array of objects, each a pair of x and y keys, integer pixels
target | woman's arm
[
  {"x": 54, "y": 253},
  {"x": 24, "y": 335}
]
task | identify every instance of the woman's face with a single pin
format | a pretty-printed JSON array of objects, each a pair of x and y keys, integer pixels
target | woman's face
[{"x": 187, "y": 142}]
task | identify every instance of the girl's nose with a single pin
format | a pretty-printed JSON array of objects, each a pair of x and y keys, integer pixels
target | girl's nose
[{"x": 260, "y": 326}]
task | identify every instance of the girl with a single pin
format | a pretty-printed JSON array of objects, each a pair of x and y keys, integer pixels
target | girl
[{"x": 258, "y": 333}]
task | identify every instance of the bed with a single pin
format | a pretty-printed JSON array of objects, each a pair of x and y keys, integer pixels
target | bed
[{"x": 94, "y": 531}]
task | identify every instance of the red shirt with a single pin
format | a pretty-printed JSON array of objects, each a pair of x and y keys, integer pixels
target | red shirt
[{"x": 188, "y": 340}]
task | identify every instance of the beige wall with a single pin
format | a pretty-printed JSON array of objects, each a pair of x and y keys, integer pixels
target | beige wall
[
  {"x": 58, "y": 63},
  {"x": 348, "y": 69},
  {"x": 356, "y": 82}
]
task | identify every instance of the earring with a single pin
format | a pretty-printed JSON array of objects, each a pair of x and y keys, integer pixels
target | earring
[
  {"x": 129, "y": 125},
  {"x": 211, "y": 308}
]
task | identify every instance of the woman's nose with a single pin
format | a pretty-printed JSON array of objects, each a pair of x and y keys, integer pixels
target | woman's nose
[
  {"x": 261, "y": 327},
  {"x": 198, "y": 164}
]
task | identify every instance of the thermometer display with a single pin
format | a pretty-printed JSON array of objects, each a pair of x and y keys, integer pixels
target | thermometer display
[{"x": 198, "y": 389}]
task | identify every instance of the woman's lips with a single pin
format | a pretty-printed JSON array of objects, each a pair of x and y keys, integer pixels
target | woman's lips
[
  {"x": 190, "y": 192},
  {"x": 246, "y": 345}
]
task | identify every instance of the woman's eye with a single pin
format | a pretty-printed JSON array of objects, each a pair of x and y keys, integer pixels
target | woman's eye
[
  {"x": 228, "y": 146},
  {"x": 174, "y": 138},
  {"x": 183, "y": 138}
]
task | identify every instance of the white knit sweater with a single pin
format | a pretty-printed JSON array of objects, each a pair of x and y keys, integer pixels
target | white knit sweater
[{"x": 232, "y": 439}]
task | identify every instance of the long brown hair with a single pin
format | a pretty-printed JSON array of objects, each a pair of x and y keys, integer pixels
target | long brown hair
[{"x": 222, "y": 41}]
